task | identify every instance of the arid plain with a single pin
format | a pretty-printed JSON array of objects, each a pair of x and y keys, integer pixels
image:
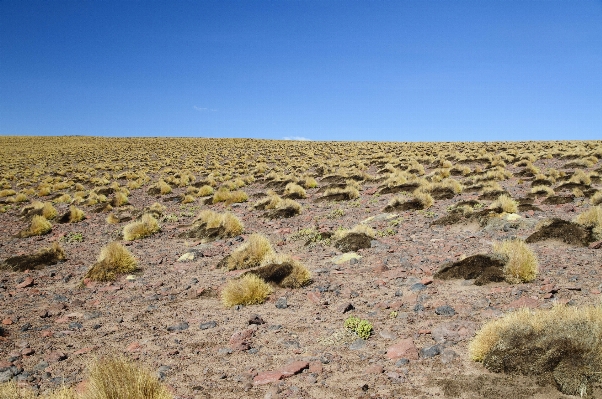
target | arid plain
[{"x": 234, "y": 268}]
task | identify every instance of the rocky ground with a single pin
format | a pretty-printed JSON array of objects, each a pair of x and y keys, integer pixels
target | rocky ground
[{"x": 169, "y": 316}]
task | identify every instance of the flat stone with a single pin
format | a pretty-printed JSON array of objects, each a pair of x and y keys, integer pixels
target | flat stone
[
  {"x": 54, "y": 357},
  {"x": 28, "y": 282},
  {"x": 448, "y": 355},
  {"x": 187, "y": 257},
  {"x": 596, "y": 245},
  {"x": 178, "y": 327},
  {"x": 240, "y": 340},
  {"x": 256, "y": 319},
  {"x": 346, "y": 257},
  {"x": 445, "y": 310},
  {"x": 345, "y": 307},
  {"x": 430, "y": 351},
  {"x": 208, "y": 325},
  {"x": 405, "y": 349},
  {"x": 267, "y": 377},
  {"x": 358, "y": 344},
  {"x": 374, "y": 369},
  {"x": 293, "y": 368}
]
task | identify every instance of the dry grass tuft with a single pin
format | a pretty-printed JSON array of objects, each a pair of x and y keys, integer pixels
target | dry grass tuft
[
  {"x": 294, "y": 190},
  {"x": 119, "y": 378},
  {"x": 39, "y": 226},
  {"x": 205, "y": 191},
  {"x": 188, "y": 199},
  {"x": 251, "y": 253},
  {"x": 565, "y": 342},
  {"x": 506, "y": 203},
  {"x": 114, "y": 259},
  {"x": 299, "y": 276},
  {"x": 229, "y": 197},
  {"x": 592, "y": 218},
  {"x": 120, "y": 199},
  {"x": 358, "y": 229},
  {"x": 521, "y": 262},
  {"x": 76, "y": 214},
  {"x": 247, "y": 290},
  {"x": 424, "y": 198},
  {"x": 230, "y": 223},
  {"x": 596, "y": 199},
  {"x": 10, "y": 390},
  {"x": 145, "y": 227}
]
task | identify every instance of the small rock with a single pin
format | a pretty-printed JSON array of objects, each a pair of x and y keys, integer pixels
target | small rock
[
  {"x": 178, "y": 327},
  {"x": 405, "y": 348},
  {"x": 596, "y": 245},
  {"x": 28, "y": 282},
  {"x": 374, "y": 369},
  {"x": 281, "y": 303},
  {"x": 54, "y": 357},
  {"x": 240, "y": 340},
  {"x": 445, "y": 310},
  {"x": 6, "y": 376},
  {"x": 430, "y": 351},
  {"x": 357, "y": 344},
  {"x": 267, "y": 377},
  {"x": 293, "y": 368},
  {"x": 401, "y": 362},
  {"x": 448, "y": 355},
  {"x": 417, "y": 287},
  {"x": 346, "y": 307},
  {"x": 27, "y": 352},
  {"x": 208, "y": 325},
  {"x": 256, "y": 319},
  {"x": 75, "y": 325},
  {"x": 7, "y": 322}
]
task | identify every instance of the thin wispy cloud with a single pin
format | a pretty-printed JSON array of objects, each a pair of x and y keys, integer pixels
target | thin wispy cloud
[
  {"x": 204, "y": 109},
  {"x": 297, "y": 138}
]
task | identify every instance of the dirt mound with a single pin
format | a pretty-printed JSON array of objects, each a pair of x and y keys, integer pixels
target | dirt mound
[
  {"x": 562, "y": 360},
  {"x": 493, "y": 195},
  {"x": 280, "y": 213},
  {"x": 335, "y": 197},
  {"x": 410, "y": 205},
  {"x": 406, "y": 187},
  {"x": 353, "y": 242},
  {"x": 201, "y": 231},
  {"x": 567, "y": 232},
  {"x": 572, "y": 185},
  {"x": 273, "y": 273},
  {"x": 483, "y": 268},
  {"x": 46, "y": 257},
  {"x": 443, "y": 193},
  {"x": 558, "y": 200},
  {"x": 528, "y": 207}
]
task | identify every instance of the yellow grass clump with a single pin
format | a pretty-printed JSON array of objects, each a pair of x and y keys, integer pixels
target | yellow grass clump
[
  {"x": 309, "y": 182},
  {"x": 120, "y": 199},
  {"x": 229, "y": 197},
  {"x": 188, "y": 199},
  {"x": 358, "y": 229},
  {"x": 293, "y": 189},
  {"x": 251, "y": 253},
  {"x": 506, "y": 203},
  {"x": 299, "y": 277},
  {"x": 7, "y": 193},
  {"x": 229, "y": 222},
  {"x": 145, "y": 227},
  {"x": 521, "y": 263},
  {"x": 247, "y": 290},
  {"x": 76, "y": 214},
  {"x": 10, "y": 390},
  {"x": 39, "y": 226},
  {"x": 424, "y": 198},
  {"x": 114, "y": 259},
  {"x": 205, "y": 191},
  {"x": 596, "y": 199},
  {"x": 592, "y": 218}
]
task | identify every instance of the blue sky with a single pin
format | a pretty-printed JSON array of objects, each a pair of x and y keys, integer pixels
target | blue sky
[{"x": 323, "y": 70}]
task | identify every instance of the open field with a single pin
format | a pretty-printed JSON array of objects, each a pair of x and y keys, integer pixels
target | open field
[{"x": 302, "y": 235}]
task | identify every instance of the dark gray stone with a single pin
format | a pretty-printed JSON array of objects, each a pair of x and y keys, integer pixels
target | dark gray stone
[
  {"x": 430, "y": 351},
  {"x": 281, "y": 303},
  {"x": 178, "y": 327},
  {"x": 418, "y": 287},
  {"x": 445, "y": 310},
  {"x": 358, "y": 344},
  {"x": 75, "y": 325},
  {"x": 208, "y": 325}
]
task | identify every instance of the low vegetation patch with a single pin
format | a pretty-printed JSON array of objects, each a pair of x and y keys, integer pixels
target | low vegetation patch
[
  {"x": 114, "y": 259},
  {"x": 246, "y": 290},
  {"x": 145, "y": 227},
  {"x": 563, "y": 343}
]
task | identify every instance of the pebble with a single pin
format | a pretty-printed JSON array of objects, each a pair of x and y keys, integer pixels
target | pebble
[
  {"x": 430, "y": 351},
  {"x": 445, "y": 310},
  {"x": 405, "y": 349},
  {"x": 358, "y": 344},
  {"x": 178, "y": 327},
  {"x": 281, "y": 303},
  {"x": 208, "y": 325}
]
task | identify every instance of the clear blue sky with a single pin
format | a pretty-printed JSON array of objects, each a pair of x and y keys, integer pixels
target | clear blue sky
[{"x": 324, "y": 70}]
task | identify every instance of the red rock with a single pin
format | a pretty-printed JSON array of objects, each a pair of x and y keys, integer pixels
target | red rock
[
  {"x": 315, "y": 297},
  {"x": 7, "y": 322},
  {"x": 28, "y": 282},
  {"x": 427, "y": 280},
  {"x": 4, "y": 364},
  {"x": 28, "y": 352},
  {"x": 54, "y": 357},
  {"x": 404, "y": 349},
  {"x": 374, "y": 369},
  {"x": 596, "y": 245},
  {"x": 134, "y": 346},
  {"x": 548, "y": 295},
  {"x": 548, "y": 288},
  {"x": 424, "y": 331},
  {"x": 293, "y": 368},
  {"x": 267, "y": 377},
  {"x": 46, "y": 333},
  {"x": 595, "y": 291},
  {"x": 83, "y": 350},
  {"x": 240, "y": 340},
  {"x": 523, "y": 302},
  {"x": 315, "y": 367}
]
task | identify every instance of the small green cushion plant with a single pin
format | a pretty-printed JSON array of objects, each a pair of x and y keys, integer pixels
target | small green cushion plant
[{"x": 363, "y": 328}]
